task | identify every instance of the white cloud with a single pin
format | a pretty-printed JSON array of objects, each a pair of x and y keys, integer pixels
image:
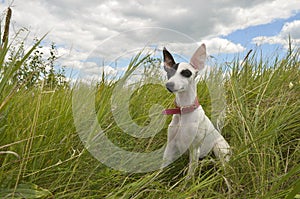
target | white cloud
[
  {"x": 260, "y": 12},
  {"x": 78, "y": 27},
  {"x": 290, "y": 29},
  {"x": 220, "y": 45},
  {"x": 214, "y": 46},
  {"x": 82, "y": 24}
]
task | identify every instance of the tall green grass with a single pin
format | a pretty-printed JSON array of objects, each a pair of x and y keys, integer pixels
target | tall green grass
[{"x": 41, "y": 155}]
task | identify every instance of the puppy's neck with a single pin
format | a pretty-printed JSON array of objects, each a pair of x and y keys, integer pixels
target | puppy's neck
[{"x": 187, "y": 97}]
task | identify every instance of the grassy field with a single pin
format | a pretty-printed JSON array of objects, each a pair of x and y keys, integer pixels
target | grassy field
[{"x": 41, "y": 155}]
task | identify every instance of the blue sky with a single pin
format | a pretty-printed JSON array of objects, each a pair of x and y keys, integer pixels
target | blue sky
[
  {"x": 82, "y": 29},
  {"x": 273, "y": 28}
]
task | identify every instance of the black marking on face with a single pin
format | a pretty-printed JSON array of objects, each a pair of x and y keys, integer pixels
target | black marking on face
[
  {"x": 186, "y": 73},
  {"x": 171, "y": 70}
]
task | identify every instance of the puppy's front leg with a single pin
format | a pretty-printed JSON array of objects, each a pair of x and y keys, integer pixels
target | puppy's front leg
[
  {"x": 169, "y": 154},
  {"x": 171, "y": 149}
]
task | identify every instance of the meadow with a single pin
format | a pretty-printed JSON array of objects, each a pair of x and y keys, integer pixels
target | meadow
[{"x": 42, "y": 156}]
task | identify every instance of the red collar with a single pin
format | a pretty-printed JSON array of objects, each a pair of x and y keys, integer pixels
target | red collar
[{"x": 182, "y": 110}]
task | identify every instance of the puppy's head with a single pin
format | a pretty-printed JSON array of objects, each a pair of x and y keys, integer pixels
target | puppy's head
[{"x": 181, "y": 75}]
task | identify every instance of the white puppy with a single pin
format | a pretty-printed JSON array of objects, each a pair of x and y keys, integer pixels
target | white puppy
[{"x": 190, "y": 128}]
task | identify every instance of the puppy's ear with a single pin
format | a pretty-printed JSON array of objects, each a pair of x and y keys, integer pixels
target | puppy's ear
[
  {"x": 168, "y": 59},
  {"x": 198, "y": 58}
]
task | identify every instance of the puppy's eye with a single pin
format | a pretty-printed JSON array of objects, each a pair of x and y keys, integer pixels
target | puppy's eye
[{"x": 186, "y": 73}]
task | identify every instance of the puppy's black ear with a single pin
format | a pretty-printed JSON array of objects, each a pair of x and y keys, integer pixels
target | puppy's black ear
[{"x": 168, "y": 59}]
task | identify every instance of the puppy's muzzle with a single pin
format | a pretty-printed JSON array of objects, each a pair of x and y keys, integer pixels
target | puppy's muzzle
[{"x": 170, "y": 86}]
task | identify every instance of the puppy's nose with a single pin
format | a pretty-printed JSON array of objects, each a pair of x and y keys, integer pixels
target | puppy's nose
[{"x": 170, "y": 86}]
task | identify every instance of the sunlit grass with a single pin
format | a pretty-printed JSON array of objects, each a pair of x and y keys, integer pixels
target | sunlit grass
[{"x": 42, "y": 155}]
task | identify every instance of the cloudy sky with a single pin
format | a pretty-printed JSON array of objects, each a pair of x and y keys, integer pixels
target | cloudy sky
[{"x": 89, "y": 32}]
